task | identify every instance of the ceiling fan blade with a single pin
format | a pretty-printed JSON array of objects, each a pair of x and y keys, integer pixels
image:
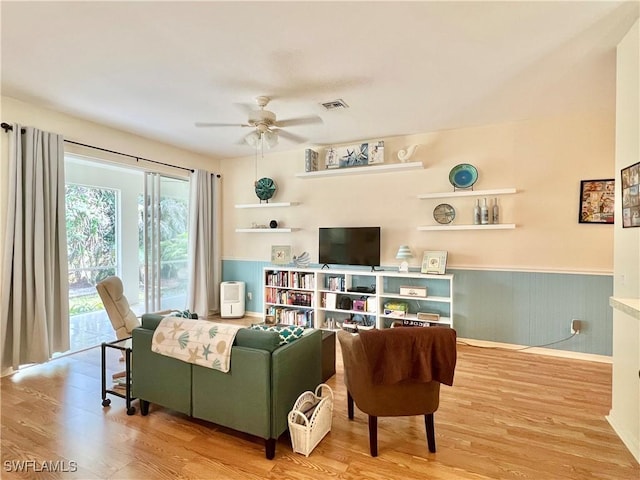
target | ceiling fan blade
[
  {"x": 294, "y": 122},
  {"x": 290, "y": 136},
  {"x": 209, "y": 124}
]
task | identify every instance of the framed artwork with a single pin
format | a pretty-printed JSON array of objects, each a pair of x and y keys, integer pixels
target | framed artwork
[
  {"x": 353, "y": 155},
  {"x": 331, "y": 158},
  {"x": 376, "y": 152},
  {"x": 434, "y": 262},
  {"x": 630, "y": 196},
  {"x": 281, "y": 254},
  {"x": 597, "y": 201}
]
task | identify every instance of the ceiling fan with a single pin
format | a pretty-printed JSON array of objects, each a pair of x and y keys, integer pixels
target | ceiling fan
[{"x": 266, "y": 127}]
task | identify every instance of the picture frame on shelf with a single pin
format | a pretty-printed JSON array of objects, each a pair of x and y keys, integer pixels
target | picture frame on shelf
[
  {"x": 597, "y": 201},
  {"x": 331, "y": 158},
  {"x": 376, "y": 152},
  {"x": 281, "y": 254},
  {"x": 310, "y": 160},
  {"x": 434, "y": 262},
  {"x": 630, "y": 196},
  {"x": 353, "y": 155}
]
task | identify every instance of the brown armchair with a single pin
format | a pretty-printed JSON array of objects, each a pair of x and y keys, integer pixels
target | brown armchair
[{"x": 397, "y": 372}]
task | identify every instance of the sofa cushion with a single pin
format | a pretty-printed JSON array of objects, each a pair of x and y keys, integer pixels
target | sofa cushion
[
  {"x": 258, "y": 339},
  {"x": 150, "y": 321},
  {"x": 286, "y": 333},
  {"x": 246, "y": 337}
]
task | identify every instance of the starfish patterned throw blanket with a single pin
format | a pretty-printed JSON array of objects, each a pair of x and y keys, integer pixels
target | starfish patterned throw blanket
[{"x": 201, "y": 342}]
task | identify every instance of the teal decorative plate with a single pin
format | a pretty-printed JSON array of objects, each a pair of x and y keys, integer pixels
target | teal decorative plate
[
  {"x": 463, "y": 175},
  {"x": 265, "y": 188}
]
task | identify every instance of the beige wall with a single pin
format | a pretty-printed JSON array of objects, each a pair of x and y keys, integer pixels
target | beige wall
[{"x": 544, "y": 159}]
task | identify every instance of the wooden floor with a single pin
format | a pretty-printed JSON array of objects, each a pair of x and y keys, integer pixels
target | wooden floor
[{"x": 509, "y": 415}]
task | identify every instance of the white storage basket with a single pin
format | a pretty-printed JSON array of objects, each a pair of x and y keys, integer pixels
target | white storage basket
[{"x": 307, "y": 427}]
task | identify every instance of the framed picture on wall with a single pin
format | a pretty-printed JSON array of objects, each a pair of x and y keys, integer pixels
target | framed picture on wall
[
  {"x": 630, "y": 196},
  {"x": 597, "y": 201}
]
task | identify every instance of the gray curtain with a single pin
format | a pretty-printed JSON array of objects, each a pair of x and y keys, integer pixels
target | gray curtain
[
  {"x": 35, "y": 299},
  {"x": 204, "y": 244}
]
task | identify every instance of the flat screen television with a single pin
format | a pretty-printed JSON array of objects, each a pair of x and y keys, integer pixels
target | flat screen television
[{"x": 349, "y": 246}]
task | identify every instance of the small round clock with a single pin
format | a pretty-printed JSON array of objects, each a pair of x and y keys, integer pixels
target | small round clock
[
  {"x": 265, "y": 188},
  {"x": 444, "y": 213}
]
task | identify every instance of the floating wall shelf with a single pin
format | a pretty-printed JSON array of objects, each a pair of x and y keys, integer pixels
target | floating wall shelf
[
  {"x": 495, "y": 226},
  {"x": 265, "y": 230},
  {"x": 267, "y": 205},
  {"x": 384, "y": 168},
  {"x": 469, "y": 193}
]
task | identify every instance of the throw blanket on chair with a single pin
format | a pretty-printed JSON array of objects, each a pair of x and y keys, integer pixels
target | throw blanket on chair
[
  {"x": 420, "y": 354},
  {"x": 200, "y": 342}
]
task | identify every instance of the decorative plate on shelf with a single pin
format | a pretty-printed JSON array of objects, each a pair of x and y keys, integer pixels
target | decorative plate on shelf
[
  {"x": 265, "y": 188},
  {"x": 444, "y": 213},
  {"x": 463, "y": 175}
]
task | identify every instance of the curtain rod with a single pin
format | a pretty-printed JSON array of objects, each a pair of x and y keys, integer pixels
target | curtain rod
[{"x": 6, "y": 127}]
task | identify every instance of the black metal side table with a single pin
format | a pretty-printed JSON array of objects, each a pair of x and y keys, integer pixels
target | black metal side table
[{"x": 124, "y": 345}]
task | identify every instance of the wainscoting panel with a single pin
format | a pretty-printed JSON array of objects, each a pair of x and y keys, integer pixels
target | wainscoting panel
[{"x": 531, "y": 308}]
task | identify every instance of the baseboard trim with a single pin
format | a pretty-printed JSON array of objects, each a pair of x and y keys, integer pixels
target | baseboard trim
[{"x": 590, "y": 357}]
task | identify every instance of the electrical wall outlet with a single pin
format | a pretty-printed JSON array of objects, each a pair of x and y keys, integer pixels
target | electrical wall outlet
[
  {"x": 576, "y": 326},
  {"x": 249, "y": 295}
]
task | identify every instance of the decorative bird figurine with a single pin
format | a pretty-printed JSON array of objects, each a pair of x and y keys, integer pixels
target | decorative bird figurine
[
  {"x": 405, "y": 155},
  {"x": 302, "y": 260}
]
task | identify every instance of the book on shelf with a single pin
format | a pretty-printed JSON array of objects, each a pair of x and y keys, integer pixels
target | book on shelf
[
  {"x": 336, "y": 284},
  {"x": 289, "y": 316},
  {"x": 372, "y": 305},
  {"x": 330, "y": 300}
]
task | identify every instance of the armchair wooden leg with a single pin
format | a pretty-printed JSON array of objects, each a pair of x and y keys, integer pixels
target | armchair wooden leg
[
  {"x": 270, "y": 448},
  {"x": 349, "y": 406},
  {"x": 431, "y": 434},
  {"x": 373, "y": 435}
]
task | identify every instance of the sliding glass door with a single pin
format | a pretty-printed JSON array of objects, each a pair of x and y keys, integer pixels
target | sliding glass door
[
  {"x": 110, "y": 232},
  {"x": 165, "y": 242}
]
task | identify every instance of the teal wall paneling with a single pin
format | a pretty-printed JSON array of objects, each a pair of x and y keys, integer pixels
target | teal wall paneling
[{"x": 523, "y": 308}]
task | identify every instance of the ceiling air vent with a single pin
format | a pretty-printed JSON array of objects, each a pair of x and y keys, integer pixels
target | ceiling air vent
[{"x": 332, "y": 105}]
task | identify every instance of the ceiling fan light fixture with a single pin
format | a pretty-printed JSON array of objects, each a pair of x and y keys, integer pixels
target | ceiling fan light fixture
[
  {"x": 271, "y": 138},
  {"x": 253, "y": 138}
]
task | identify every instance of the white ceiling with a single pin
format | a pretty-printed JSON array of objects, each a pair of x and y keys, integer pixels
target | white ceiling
[{"x": 155, "y": 68}]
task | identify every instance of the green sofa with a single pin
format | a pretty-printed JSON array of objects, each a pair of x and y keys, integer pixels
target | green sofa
[{"x": 254, "y": 397}]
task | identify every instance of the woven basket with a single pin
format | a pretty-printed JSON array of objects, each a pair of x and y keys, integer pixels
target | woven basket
[{"x": 310, "y": 419}]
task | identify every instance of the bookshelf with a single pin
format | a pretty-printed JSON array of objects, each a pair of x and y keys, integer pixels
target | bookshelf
[{"x": 326, "y": 298}]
